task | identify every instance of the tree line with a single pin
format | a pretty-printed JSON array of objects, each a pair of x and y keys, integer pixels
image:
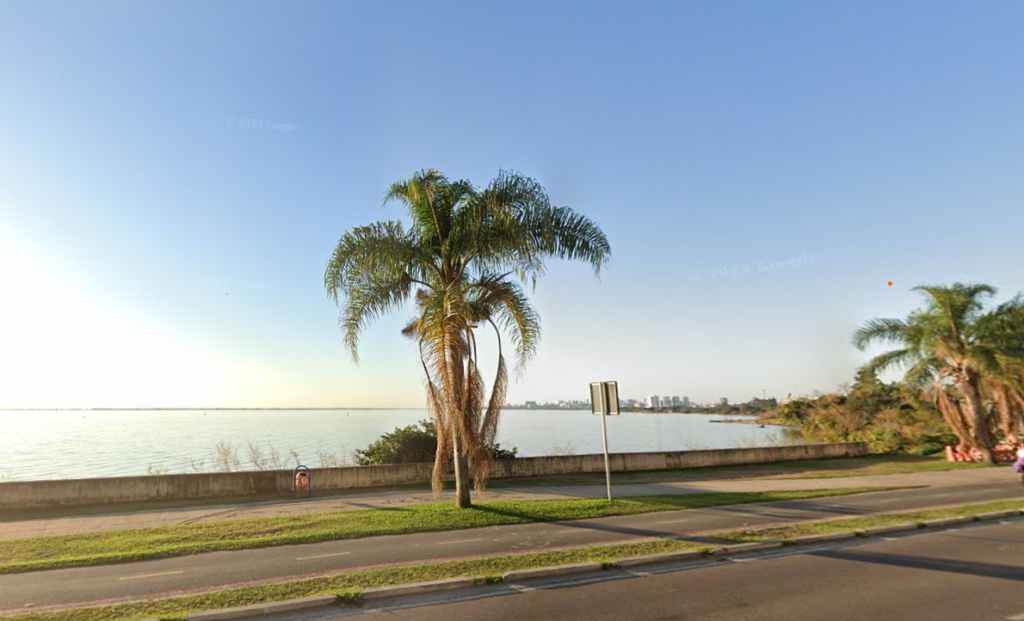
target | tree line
[{"x": 962, "y": 379}]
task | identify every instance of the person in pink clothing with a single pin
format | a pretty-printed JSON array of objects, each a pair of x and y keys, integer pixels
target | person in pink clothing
[{"x": 1018, "y": 466}]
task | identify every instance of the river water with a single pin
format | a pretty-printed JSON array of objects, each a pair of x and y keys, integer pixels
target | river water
[{"x": 40, "y": 445}]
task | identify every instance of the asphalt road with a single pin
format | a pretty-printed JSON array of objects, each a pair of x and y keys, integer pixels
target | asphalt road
[
  {"x": 969, "y": 574},
  {"x": 205, "y": 572}
]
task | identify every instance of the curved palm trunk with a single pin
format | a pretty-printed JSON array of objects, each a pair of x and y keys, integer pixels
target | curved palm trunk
[
  {"x": 1007, "y": 425},
  {"x": 951, "y": 413},
  {"x": 976, "y": 416},
  {"x": 1017, "y": 416}
]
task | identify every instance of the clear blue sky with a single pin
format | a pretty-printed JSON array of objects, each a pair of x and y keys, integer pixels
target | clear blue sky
[{"x": 158, "y": 248}]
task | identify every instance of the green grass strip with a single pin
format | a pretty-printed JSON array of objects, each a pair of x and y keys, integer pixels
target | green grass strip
[
  {"x": 845, "y": 525},
  {"x": 807, "y": 469},
  {"x": 22, "y": 555}
]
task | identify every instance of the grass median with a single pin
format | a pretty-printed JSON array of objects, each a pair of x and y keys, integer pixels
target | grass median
[
  {"x": 868, "y": 465},
  {"x": 846, "y": 525},
  {"x": 24, "y": 555}
]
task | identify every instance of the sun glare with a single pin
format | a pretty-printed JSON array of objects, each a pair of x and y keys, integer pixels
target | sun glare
[{"x": 58, "y": 348}]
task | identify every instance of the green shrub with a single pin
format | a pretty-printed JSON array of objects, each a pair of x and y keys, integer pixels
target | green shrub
[{"x": 412, "y": 445}]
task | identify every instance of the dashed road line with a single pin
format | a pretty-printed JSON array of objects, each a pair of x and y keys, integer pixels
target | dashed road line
[
  {"x": 306, "y": 558},
  {"x": 164, "y": 573},
  {"x": 445, "y": 543}
]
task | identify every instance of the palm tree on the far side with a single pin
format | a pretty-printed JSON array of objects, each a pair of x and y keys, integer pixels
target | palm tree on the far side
[
  {"x": 968, "y": 360},
  {"x": 459, "y": 261}
]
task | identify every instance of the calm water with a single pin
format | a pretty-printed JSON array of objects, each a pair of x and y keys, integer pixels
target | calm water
[{"x": 76, "y": 444}]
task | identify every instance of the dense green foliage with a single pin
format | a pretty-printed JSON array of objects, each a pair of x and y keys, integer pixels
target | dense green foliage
[
  {"x": 963, "y": 380},
  {"x": 966, "y": 360},
  {"x": 411, "y": 445},
  {"x": 886, "y": 416}
]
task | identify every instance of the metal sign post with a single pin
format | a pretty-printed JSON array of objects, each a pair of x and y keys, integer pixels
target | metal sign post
[{"x": 604, "y": 400}]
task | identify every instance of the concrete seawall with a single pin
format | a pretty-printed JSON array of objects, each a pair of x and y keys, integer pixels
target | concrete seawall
[{"x": 32, "y": 494}]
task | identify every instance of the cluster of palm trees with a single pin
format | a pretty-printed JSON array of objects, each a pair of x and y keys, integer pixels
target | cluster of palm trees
[
  {"x": 462, "y": 261},
  {"x": 968, "y": 360}
]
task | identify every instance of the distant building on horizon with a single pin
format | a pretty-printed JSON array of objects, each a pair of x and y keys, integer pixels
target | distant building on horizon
[
  {"x": 653, "y": 401},
  {"x": 723, "y": 401}
]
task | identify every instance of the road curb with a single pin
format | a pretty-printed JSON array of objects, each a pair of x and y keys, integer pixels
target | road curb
[
  {"x": 997, "y": 515},
  {"x": 260, "y": 610},
  {"x": 885, "y": 530},
  {"x": 547, "y": 572},
  {"x": 652, "y": 559},
  {"x": 416, "y": 588},
  {"x": 953, "y": 521},
  {"x": 743, "y": 548},
  {"x": 795, "y": 541}
]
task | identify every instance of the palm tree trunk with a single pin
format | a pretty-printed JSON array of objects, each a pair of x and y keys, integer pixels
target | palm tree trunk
[
  {"x": 456, "y": 400},
  {"x": 976, "y": 415},
  {"x": 462, "y": 499},
  {"x": 1001, "y": 398},
  {"x": 952, "y": 414}
]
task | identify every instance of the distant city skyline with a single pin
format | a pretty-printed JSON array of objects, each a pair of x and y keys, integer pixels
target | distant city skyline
[{"x": 762, "y": 172}]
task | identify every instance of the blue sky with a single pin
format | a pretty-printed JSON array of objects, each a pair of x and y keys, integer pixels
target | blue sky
[{"x": 173, "y": 177}]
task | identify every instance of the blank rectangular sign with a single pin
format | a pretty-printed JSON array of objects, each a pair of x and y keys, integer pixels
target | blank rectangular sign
[
  {"x": 604, "y": 398},
  {"x": 596, "y": 398}
]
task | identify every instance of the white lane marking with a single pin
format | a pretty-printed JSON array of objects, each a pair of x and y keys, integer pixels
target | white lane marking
[
  {"x": 306, "y": 558},
  {"x": 444, "y": 543},
  {"x": 166, "y": 573},
  {"x": 1019, "y": 617},
  {"x": 672, "y": 521}
]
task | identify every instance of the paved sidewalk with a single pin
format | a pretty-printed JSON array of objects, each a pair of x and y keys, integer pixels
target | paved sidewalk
[{"x": 392, "y": 499}]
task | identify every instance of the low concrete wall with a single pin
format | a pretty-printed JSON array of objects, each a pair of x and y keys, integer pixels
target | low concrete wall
[{"x": 31, "y": 494}]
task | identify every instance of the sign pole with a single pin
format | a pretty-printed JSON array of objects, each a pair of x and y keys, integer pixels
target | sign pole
[
  {"x": 607, "y": 463},
  {"x": 604, "y": 399}
]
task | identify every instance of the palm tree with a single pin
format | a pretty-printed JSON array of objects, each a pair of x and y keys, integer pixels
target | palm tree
[
  {"x": 960, "y": 354},
  {"x": 459, "y": 261},
  {"x": 1004, "y": 388}
]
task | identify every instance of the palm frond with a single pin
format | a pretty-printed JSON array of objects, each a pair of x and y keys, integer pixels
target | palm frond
[
  {"x": 365, "y": 304},
  {"x": 374, "y": 253},
  {"x": 874, "y": 331},
  {"x": 922, "y": 373},
  {"x": 889, "y": 360}
]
